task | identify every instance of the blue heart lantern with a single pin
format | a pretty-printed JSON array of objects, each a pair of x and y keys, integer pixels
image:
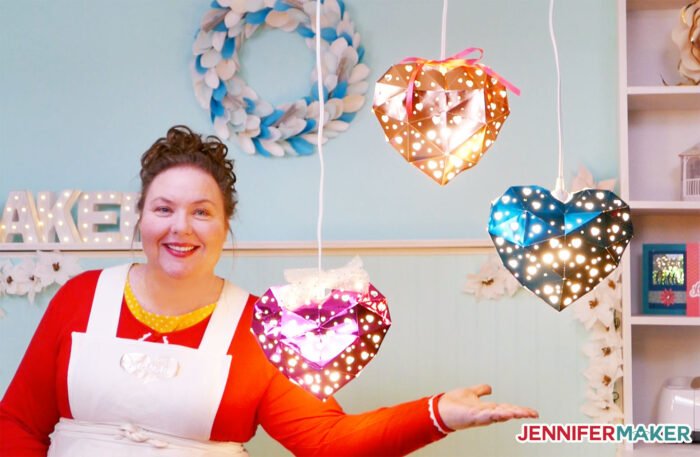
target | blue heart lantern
[{"x": 560, "y": 251}]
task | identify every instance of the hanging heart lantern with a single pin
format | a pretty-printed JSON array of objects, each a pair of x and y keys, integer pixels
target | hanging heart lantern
[
  {"x": 560, "y": 251},
  {"x": 324, "y": 343},
  {"x": 442, "y": 115}
]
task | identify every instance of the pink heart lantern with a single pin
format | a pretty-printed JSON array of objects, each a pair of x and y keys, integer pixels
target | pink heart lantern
[{"x": 322, "y": 345}]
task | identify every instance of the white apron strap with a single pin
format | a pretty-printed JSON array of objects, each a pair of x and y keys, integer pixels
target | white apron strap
[
  {"x": 107, "y": 304},
  {"x": 224, "y": 320}
]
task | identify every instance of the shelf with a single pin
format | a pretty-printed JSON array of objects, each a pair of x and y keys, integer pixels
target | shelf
[
  {"x": 443, "y": 246},
  {"x": 667, "y": 320},
  {"x": 657, "y": 122},
  {"x": 663, "y": 450},
  {"x": 643, "y": 98},
  {"x": 636, "y": 5},
  {"x": 664, "y": 207}
]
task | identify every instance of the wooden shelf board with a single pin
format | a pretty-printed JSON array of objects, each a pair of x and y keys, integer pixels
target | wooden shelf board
[
  {"x": 633, "y": 5},
  {"x": 642, "y": 98},
  {"x": 664, "y": 207},
  {"x": 666, "y": 320}
]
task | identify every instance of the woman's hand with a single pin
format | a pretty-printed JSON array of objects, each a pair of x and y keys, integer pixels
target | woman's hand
[{"x": 463, "y": 408}]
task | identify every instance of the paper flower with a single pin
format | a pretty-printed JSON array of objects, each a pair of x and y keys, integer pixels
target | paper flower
[
  {"x": 591, "y": 309},
  {"x": 686, "y": 35},
  {"x": 54, "y": 267},
  {"x": 21, "y": 280},
  {"x": 4, "y": 270},
  {"x": 584, "y": 180},
  {"x": 604, "y": 346},
  {"x": 34, "y": 284},
  {"x": 602, "y": 410},
  {"x": 492, "y": 281},
  {"x": 599, "y": 306},
  {"x": 668, "y": 297},
  {"x": 30, "y": 277},
  {"x": 609, "y": 291},
  {"x": 602, "y": 373}
]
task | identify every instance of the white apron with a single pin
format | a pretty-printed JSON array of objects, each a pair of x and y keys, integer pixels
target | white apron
[{"x": 139, "y": 398}]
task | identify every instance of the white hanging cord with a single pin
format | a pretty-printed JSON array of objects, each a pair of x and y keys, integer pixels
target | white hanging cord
[
  {"x": 321, "y": 115},
  {"x": 443, "y": 40},
  {"x": 559, "y": 190}
]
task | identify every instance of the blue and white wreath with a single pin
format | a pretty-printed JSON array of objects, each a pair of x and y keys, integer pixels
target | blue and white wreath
[{"x": 234, "y": 106}]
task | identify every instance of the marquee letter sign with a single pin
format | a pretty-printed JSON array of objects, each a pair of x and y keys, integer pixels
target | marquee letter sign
[{"x": 103, "y": 218}]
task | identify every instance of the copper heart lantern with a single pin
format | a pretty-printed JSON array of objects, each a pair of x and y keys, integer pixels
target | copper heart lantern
[
  {"x": 325, "y": 342},
  {"x": 560, "y": 250},
  {"x": 442, "y": 115}
]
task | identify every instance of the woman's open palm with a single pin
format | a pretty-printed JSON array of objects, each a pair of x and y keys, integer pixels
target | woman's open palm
[{"x": 464, "y": 408}]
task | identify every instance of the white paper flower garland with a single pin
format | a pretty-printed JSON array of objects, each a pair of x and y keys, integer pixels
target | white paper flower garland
[
  {"x": 235, "y": 108},
  {"x": 599, "y": 312},
  {"x": 492, "y": 281},
  {"x": 31, "y": 276}
]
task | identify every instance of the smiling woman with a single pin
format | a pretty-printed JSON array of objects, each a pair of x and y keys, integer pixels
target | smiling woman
[
  {"x": 183, "y": 230},
  {"x": 157, "y": 359},
  {"x": 187, "y": 199}
]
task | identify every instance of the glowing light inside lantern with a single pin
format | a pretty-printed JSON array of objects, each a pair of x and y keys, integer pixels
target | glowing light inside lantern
[
  {"x": 441, "y": 116},
  {"x": 559, "y": 251},
  {"x": 323, "y": 344}
]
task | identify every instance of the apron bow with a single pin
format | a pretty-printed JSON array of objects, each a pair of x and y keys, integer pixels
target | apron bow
[{"x": 138, "y": 435}]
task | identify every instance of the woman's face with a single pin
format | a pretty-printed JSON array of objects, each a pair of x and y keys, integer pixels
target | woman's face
[{"x": 183, "y": 224}]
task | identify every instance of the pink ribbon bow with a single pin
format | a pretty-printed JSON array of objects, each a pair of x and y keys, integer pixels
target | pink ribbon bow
[{"x": 459, "y": 60}]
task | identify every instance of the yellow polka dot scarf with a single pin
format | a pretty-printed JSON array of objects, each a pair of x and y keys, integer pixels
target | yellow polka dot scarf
[{"x": 161, "y": 323}]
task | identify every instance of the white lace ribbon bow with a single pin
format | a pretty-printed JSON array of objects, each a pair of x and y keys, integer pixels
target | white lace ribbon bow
[{"x": 308, "y": 285}]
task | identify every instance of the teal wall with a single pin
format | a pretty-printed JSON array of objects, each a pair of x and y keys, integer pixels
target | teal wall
[{"x": 86, "y": 86}]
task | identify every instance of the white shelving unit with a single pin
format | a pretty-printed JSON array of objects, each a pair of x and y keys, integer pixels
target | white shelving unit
[
  {"x": 657, "y": 122},
  {"x": 655, "y": 450}
]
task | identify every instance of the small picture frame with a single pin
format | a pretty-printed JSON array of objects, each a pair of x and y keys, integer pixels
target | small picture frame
[{"x": 664, "y": 270}]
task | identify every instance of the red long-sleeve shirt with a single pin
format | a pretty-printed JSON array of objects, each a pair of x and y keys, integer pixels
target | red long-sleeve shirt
[{"x": 256, "y": 392}]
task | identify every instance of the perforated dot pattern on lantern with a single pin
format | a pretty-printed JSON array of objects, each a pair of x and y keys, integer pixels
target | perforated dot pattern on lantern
[
  {"x": 560, "y": 251},
  {"x": 440, "y": 116},
  {"x": 323, "y": 345}
]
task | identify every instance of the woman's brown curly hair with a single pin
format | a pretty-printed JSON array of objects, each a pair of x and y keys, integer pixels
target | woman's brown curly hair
[{"x": 181, "y": 146}]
